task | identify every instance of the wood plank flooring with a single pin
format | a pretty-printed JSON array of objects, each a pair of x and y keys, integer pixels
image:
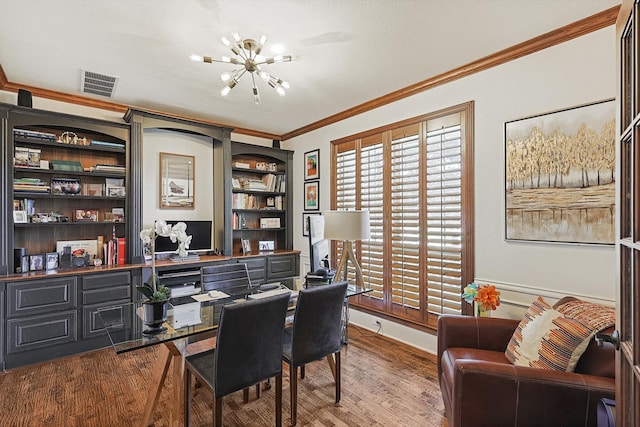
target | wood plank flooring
[{"x": 385, "y": 383}]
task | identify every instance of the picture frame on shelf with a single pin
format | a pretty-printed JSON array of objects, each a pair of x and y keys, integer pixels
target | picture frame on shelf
[
  {"x": 312, "y": 164},
  {"x": 246, "y": 246},
  {"x": 177, "y": 181},
  {"x": 51, "y": 260},
  {"x": 305, "y": 222},
  {"x": 270, "y": 202},
  {"x": 36, "y": 262},
  {"x": 20, "y": 217},
  {"x": 85, "y": 215},
  {"x": 266, "y": 245},
  {"x": 312, "y": 196},
  {"x": 116, "y": 192}
]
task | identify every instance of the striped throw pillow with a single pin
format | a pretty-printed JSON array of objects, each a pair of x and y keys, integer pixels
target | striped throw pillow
[{"x": 548, "y": 339}]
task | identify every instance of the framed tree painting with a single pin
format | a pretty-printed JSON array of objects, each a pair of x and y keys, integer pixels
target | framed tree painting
[
  {"x": 311, "y": 196},
  {"x": 312, "y": 164},
  {"x": 560, "y": 175},
  {"x": 177, "y": 182}
]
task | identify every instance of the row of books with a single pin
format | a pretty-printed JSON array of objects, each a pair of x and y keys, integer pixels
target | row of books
[
  {"x": 30, "y": 185},
  {"x": 121, "y": 169},
  {"x": 108, "y": 144},
  {"x": 32, "y": 134},
  {"x": 114, "y": 252},
  {"x": 269, "y": 182}
]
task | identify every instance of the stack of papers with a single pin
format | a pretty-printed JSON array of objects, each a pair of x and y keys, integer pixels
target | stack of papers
[{"x": 210, "y": 296}]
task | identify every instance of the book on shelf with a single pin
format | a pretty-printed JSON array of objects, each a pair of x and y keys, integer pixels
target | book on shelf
[
  {"x": 109, "y": 168},
  {"x": 34, "y": 157},
  {"x": 32, "y": 134},
  {"x": 107, "y": 144},
  {"x": 21, "y": 157}
]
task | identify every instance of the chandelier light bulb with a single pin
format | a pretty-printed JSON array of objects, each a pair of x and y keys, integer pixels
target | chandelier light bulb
[
  {"x": 225, "y": 41},
  {"x": 225, "y": 77},
  {"x": 195, "y": 58},
  {"x": 236, "y": 37},
  {"x": 281, "y": 91},
  {"x": 225, "y": 91},
  {"x": 264, "y": 76}
]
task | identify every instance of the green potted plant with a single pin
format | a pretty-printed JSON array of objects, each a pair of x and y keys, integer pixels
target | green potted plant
[{"x": 155, "y": 306}]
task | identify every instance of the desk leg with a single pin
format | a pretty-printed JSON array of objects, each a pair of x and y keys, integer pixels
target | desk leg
[
  {"x": 168, "y": 352},
  {"x": 345, "y": 322}
]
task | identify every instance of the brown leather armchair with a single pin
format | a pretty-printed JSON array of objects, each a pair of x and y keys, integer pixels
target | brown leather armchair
[{"x": 480, "y": 387}]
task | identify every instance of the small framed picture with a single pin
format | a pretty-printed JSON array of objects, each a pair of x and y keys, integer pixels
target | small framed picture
[
  {"x": 312, "y": 164},
  {"x": 85, "y": 215},
  {"x": 271, "y": 202},
  {"x": 52, "y": 260},
  {"x": 305, "y": 222},
  {"x": 246, "y": 246},
  {"x": 311, "y": 197},
  {"x": 266, "y": 245},
  {"x": 20, "y": 217},
  {"x": 116, "y": 192},
  {"x": 36, "y": 262}
]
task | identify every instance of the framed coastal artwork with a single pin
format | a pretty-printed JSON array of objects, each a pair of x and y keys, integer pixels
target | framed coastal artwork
[
  {"x": 560, "y": 175},
  {"x": 177, "y": 183}
]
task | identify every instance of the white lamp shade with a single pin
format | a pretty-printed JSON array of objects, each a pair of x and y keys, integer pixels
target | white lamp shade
[{"x": 346, "y": 225}]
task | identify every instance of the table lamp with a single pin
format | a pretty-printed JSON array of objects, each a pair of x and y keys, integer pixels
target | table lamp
[{"x": 348, "y": 226}]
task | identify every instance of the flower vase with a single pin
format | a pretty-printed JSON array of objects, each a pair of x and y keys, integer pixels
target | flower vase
[
  {"x": 154, "y": 315},
  {"x": 481, "y": 311}
]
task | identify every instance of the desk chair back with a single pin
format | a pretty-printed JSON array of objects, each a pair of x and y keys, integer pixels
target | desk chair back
[
  {"x": 248, "y": 351},
  {"x": 232, "y": 279},
  {"x": 249, "y": 342},
  {"x": 317, "y": 324},
  {"x": 316, "y": 333}
]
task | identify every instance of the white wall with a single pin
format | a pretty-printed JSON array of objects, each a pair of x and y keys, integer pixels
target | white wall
[
  {"x": 573, "y": 73},
  {"x": 156, "y": 141}
]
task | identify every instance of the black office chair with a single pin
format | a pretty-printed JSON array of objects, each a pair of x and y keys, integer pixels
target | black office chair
[
  {"x": 315, "y": 334},
  {"x": 232, "y": 279},
  {"x": 248, "y": 351}
]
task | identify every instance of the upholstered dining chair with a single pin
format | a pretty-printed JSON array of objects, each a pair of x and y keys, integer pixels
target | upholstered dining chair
[
  {"x": 315, "y": 334},
  {"x": 248, "y": 351}
]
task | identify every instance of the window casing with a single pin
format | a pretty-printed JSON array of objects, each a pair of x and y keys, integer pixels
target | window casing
[{"x": 416, "y": 180}]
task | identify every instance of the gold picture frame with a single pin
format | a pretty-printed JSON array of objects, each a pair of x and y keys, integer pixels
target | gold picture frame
[{"x": 177, "y": 181}]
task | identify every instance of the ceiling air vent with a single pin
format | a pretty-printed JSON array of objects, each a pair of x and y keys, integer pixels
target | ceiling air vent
[{"x": 98, "y": 84}]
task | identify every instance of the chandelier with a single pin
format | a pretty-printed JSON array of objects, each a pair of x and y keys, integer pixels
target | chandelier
[{"x": 247, "y": 56}]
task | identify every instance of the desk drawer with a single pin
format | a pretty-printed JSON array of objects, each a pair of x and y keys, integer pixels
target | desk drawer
[
  {"x": 36, "y": 332},
  {"x": 104, "y": 280},
  {"x": 112, "y": 293},
  {"x": 41, "y": 296},
  {"x": 282, "y": 266},
  {"x": 91, "y": 324}
]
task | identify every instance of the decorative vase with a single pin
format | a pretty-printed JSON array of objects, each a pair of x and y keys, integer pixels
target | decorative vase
[
  {"x": 154, "y": 315},
  {"x": 480, "y": 311}
]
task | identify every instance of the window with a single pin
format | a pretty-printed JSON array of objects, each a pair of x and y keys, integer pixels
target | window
[{"x": 416, "y": 180}]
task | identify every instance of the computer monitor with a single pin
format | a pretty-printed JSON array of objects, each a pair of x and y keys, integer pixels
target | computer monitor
[
  {"x": 200, "y": 232},
  {"x": 318, "y": 245}
]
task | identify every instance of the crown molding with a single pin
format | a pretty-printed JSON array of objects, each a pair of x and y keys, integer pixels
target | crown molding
[{"x": 563, "y": 34}]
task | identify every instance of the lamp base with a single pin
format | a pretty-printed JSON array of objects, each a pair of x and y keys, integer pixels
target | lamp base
[{"x": 349, "y": 255}]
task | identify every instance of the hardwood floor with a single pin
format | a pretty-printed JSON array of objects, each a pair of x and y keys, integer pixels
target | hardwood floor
[{"x": 385, "y": 383}]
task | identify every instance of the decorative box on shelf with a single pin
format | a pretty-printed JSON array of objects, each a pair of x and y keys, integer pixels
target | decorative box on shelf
[{"x": 269, "y": 222}]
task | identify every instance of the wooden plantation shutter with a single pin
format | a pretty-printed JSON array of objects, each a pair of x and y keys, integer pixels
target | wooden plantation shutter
[
  {"x": 404, "y": 222},
  {"x": 444, "y": 215},
  {"x": 415, "y": 178},
  {"x": 371, "y": 255}
]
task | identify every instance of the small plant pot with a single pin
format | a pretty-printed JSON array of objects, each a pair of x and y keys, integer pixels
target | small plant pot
[{"x": 154, "y": 315}]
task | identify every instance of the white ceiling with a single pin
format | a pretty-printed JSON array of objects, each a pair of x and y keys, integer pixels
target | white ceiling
[{"x": 350, "y": 51}]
